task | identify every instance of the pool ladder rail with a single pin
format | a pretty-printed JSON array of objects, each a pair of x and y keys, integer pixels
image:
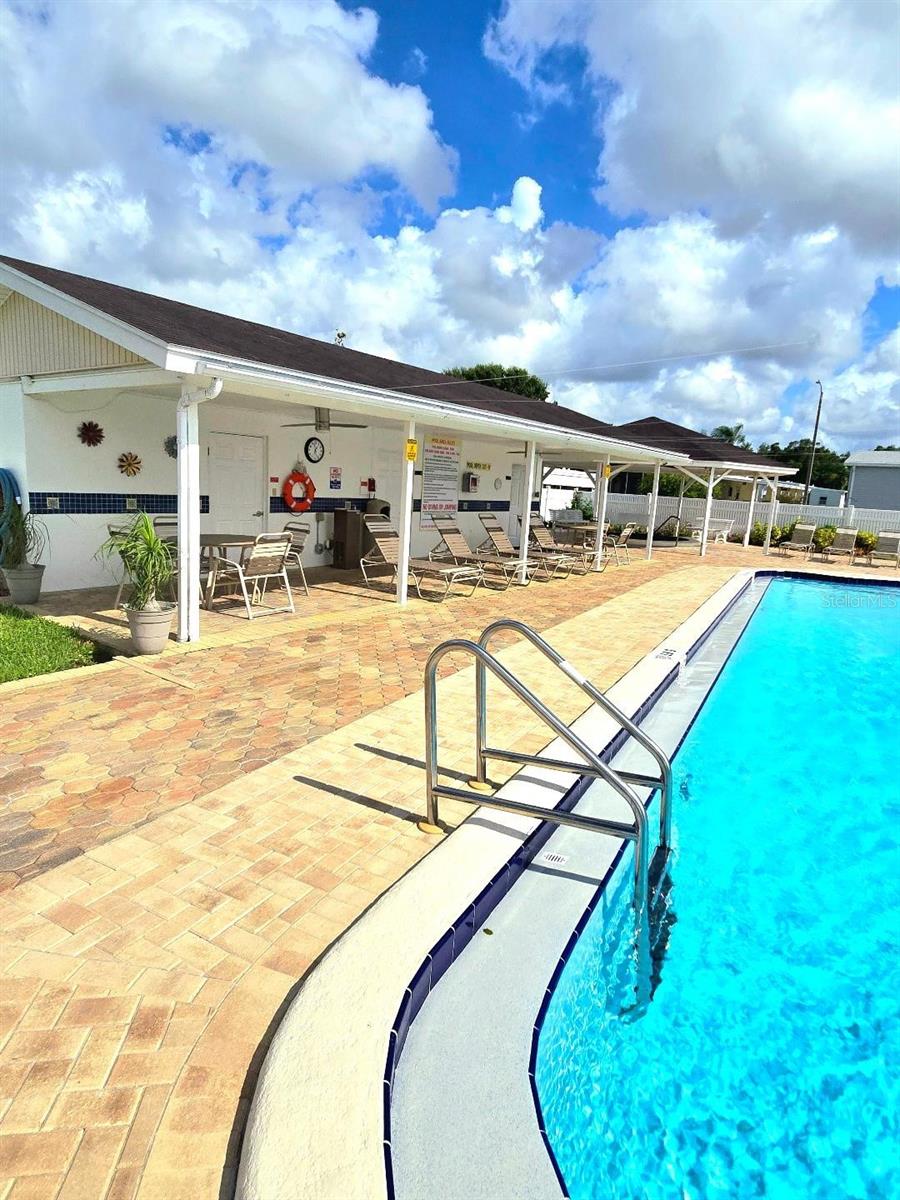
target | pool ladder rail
[{"x": 592, "y": 765}]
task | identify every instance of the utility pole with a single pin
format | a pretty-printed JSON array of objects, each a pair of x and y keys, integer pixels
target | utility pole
[{"x": 812, "y": 456}]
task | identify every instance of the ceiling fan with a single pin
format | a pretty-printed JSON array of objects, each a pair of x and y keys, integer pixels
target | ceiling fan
[{"x": 322, "y": 423}]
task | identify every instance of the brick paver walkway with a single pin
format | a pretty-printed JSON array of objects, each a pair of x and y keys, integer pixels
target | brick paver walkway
[
  {"x": 90, "y": 755},
  {"x": 142, "y": 980}
]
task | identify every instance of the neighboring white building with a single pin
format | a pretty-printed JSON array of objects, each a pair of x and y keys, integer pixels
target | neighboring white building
[
  {"x": 831, "y": 497},
  {"x": 874, "y": 479}
]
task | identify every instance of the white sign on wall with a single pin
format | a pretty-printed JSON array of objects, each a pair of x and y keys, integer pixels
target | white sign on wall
[{"x": 440, "y": 478}]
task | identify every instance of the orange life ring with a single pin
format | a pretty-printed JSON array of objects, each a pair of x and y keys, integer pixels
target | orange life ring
[{"x": 302, "y": 503}]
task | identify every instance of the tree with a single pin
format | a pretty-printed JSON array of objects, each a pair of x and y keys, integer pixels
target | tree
[
  {"x": 829, "y": 469},
  {"x": 507, "y": 379},
  {"x": 733, "y": 434},
  {"x": 887, "y": 447},
  {"x": 670, "y": 484}
]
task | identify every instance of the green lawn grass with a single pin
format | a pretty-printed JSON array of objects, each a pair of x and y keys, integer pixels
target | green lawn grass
[{"x": 31, "y": 645}]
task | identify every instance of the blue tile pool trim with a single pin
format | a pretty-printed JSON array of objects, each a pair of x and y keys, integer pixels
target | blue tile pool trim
[
  {"x": 106, "y": 503},
  {"x": 457, "y": 937}
]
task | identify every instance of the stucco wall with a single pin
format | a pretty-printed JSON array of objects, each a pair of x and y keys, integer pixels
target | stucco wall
[
  {"x": 12, "y": 432},
  {"x": 875, "y": 487},
  {"x": 58, "y": 464}
]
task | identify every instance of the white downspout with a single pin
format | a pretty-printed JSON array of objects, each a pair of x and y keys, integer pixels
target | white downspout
[
  {"x": 406, "y": 515},
  {"x": 187, "y": 427}
]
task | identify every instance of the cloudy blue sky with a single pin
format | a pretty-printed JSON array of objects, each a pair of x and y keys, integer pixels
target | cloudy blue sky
[{"x": 687, "y": 208}]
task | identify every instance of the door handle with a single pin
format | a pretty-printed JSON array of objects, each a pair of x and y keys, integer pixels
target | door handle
[{"x": 258, "y": 513}]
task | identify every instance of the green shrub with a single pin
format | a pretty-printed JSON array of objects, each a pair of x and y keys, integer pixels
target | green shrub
[
  {"x": 866, "y": 541},
  {"x": 824, "y": 536},
  {"x": 582, "y": 502}
]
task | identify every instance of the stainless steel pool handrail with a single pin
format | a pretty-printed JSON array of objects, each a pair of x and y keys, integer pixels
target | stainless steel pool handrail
[
  {"x": 592, "y": 765},
  {"x": 484, "y": 752}
]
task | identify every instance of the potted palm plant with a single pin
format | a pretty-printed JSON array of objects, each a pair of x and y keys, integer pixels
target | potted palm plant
[
  {"x": 149, "y": 568},
  {"x": 23, "y": 544}
]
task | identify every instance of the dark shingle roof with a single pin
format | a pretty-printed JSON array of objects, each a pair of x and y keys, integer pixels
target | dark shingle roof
[
  {"x": 185, "y": 325},
  {"x": 666, "y": 435}
]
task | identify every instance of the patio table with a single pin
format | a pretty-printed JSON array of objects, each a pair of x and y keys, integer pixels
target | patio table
[
  {"x": 218, "y": 543},
  {"x": 573, "y": 527}
]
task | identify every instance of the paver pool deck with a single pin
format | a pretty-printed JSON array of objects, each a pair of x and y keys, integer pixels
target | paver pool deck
[{"x": 179, "y": 850}]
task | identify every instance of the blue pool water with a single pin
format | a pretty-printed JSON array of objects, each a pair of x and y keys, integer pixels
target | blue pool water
[{"x": 768, "y": 1063}]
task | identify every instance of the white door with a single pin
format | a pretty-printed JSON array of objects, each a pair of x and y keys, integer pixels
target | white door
[
  {"x": 237, "y": 483},
  {"x": 516, "y": 501}
]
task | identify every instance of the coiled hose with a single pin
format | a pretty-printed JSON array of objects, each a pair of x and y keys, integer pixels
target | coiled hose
[{"x": 9, "y": 497}]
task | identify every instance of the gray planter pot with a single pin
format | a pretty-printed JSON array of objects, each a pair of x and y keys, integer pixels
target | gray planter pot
[
  {"x": 150, "y": 630},
  {"x": 24, "y": 583}
]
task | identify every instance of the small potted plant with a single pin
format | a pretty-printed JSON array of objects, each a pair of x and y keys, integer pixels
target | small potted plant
[
  {"x": 23, "y": 543},
  {"x": 149, "y": 567}
]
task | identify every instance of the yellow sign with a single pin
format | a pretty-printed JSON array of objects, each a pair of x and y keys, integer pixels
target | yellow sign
[
  {"x": 607, "y": 471},
  {"x": 412, "y": 449}
]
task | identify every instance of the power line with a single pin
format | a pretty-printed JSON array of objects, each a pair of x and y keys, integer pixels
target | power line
[{"x": 642, "y": 362}]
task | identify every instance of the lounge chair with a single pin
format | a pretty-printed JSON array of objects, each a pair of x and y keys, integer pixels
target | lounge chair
[
  {"x": 386, "y": 552},
  {"x": 453, "y": 545},
  {"x": 265, "y": 559},
  {"x": 618, "y": 543},
  {"x": 299, "y": 533},
  {"x": 801, "y": 539},
  {"x": 887, "y": 546},
  {"x": 844, "y": 543},
  {"x": 545, "y": 542},
  {"x": 500, "y": 543}
]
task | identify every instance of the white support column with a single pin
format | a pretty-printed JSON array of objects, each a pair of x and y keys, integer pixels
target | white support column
[
  {"x": 407, "y": 478},
  {"x": 187, "y": 426},
  {"x": 681, "y": 485},
  {"x": 710, "y": 484},
  {"x": 773, "y": 508},
  {"x": 530, "y": 458},
  {"x": 188, "y": 437},
  {"x": 651, "y": 514},
  {"x": 602, "y": 497},
  {"x": 754, "y": 488}
]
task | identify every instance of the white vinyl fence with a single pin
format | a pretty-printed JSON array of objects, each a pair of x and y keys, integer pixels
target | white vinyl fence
[{"x": 621, "y": 508}]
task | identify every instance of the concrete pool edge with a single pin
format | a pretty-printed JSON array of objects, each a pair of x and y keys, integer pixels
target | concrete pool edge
[{"x": 315, "y": 1128}]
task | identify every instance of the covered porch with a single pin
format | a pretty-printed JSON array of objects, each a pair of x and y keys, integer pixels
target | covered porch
[{"x": 236, "y": 436}]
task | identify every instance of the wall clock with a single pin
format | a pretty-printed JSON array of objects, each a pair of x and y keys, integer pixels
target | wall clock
[{"x": 314, "y": 450}]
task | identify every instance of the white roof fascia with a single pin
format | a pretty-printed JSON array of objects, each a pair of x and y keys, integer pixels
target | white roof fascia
[
  {"x": 180, "y": 359},
  {"x": 357, "y": 397},
  {"x": 151, "y": 348}
]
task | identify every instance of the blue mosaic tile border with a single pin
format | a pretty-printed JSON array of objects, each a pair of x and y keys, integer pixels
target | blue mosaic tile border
[
  {"x": 320, "y": 504},
  {"x": 105, "y": 503}
]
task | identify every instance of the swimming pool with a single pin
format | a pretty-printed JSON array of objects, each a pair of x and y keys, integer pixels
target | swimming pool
[{"x": 768, "y": 1063}]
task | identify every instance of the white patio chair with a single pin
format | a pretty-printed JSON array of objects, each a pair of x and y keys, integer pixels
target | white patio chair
[
  {"x": 299, "y": 533},
  {"x": 266, "y": 559}
]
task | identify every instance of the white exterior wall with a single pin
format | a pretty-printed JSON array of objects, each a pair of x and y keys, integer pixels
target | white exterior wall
[
  {"x": 48, "y": 452},
  {"x": 12, "y": 425}
]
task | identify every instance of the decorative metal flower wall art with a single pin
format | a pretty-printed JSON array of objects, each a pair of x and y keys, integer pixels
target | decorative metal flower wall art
[
  {"x": 90, "y": 433},
  {"x": 129, "y": 464}
]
